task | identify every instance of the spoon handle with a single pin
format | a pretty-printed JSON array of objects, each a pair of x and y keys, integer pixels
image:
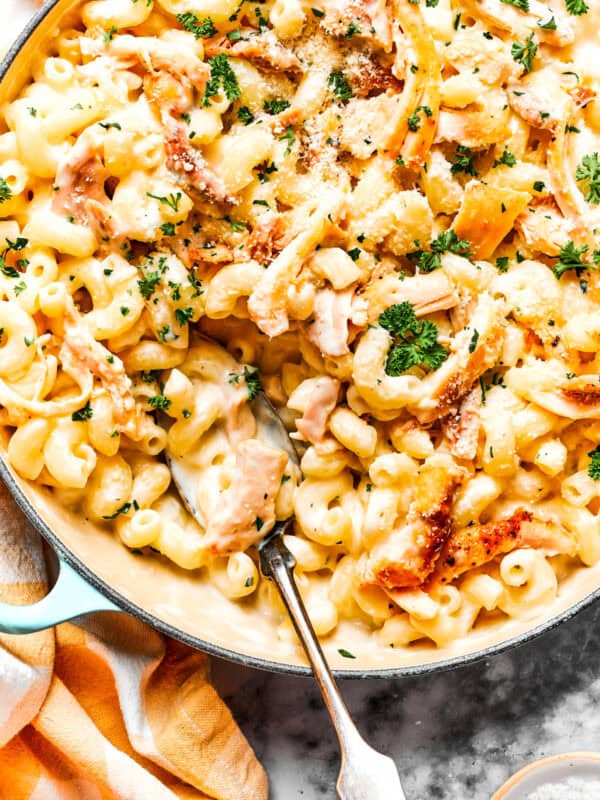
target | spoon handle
[{"x": 365, "y": 774}]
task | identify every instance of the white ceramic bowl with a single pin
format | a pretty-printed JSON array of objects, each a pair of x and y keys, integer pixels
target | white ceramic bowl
[{"x": 585, "y": 767}]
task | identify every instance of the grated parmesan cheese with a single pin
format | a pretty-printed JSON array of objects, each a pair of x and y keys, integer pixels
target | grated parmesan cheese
[{"x": 571, "y": 789}]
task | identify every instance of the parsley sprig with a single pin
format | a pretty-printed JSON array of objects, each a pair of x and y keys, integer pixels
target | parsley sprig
[
  {"x": 577, "y": 7},
  {"x": 594, "y": 466},
  {"x": 251, "y": 377},
  {"x": 570, "y": 257},
  {"x": 446, "y": 242},
  {"x": 339, "y": 86},
  {"x": 201, "y": 29},
  {"x": 223, "y": 77},
  {"x": 524, "y": 52},
  {"x": 415, "y": 341},
  {"x": 5, "y": 191},
  {"x": 588, "y": 174},
  {"x": 463, "y": 161}
]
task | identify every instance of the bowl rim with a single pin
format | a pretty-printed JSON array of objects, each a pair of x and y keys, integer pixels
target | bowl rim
[
  {"x": 514, "y": 780},
  {"x": 42, "y": 527}
]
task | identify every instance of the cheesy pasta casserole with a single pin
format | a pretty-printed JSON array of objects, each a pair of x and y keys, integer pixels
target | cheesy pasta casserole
[{"x": 385, "y": 212}]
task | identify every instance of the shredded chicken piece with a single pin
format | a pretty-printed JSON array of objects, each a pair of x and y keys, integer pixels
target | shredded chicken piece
[
  {"x": 190, "y": 166},
  {"x": 427, "y": 293},
  {"x": 246, "y": 510},
  {"x": 333, "y": 314},
  {"x": 407, "y": 555},
  {"x": 161, "y": 55},
  {"x": 462, "y": 428},
  {"x": 478, "y": 544},
  {"x": 368, "y": 76},
  {"x": 81, "y": 177},
  {"x": 312, "y": 426},
  {"x": 449, "y": 384},
  {"x": 539, "y": 99},
  {"x": 266, "y": 240},
  {"x": 543, "y": 229},
  {"x": 263, "y": 47},
  {"x": 81, "y": 353}
]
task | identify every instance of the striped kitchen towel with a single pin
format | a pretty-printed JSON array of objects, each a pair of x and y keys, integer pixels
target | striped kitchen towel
[{"x": 107, "y": 711}]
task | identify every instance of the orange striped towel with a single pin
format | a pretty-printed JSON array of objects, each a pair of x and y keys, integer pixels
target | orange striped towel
[{"x": 119, "y": 713}]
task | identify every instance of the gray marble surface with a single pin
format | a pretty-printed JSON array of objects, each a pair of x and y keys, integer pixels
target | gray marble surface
[{"x": 454, "y": 736}]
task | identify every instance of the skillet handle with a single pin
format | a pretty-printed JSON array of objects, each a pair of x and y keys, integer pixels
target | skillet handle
[{"x": 70, "y": 597}]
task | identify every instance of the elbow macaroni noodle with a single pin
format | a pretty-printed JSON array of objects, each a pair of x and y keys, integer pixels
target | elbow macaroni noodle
[{"x": 390, "y": 209}]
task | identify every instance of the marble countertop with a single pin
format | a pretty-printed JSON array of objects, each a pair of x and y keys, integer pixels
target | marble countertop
[{"x": 456, "y": 735}]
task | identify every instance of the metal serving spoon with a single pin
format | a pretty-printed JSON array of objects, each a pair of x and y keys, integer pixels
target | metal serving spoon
[{"x": 365, "y": 774}]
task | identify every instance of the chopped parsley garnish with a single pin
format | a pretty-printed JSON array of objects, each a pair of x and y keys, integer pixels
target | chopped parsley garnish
[
  {"x": 259, "y": 523},
  {"x": 19, "y": 244},
  {"x": 524, "y": 52},
  {"x": 570, "y": 257},
  {"x": 201, "y": 29},
  {"x": 183, "y": 316},
  {"x": 538, "y": 186},
  {"x": 502, "y": 264},
  {"x": 288, "y": 137},
  {"x": 317, "y": 13},
  {"x": 223, "y": 77},
  {"x": 234, "y": 36},
  {"x": 447, "y": 241},
  {"x": 286, "y": 478},
  {"x": 577, "y": 7},
  {"x": 400, "y": 161},
  {"x": 149, "y": 377},
  {"x": 168, "y": 229},
  {"x": 245, "y": 115},
  {"x": 84, "y": 413},
  {"x": 339, "y": 86},
  {"x": 474, "y": 340},
  {"x": 159, "y": 402},
  {"x": 236, "y": 226},
  {"x": 276, "y": 105},
  {"x": 548, "y": 26},
  {"x": 269, "y": 169},
  {"x": 32, "y": 111},
  {"x": 125, "y": 508},
  {"x": 196, "y": 285},
  {"x": 463, "y": 161},
  {"x": 172, "y": 200},
  {"x": 261, "y": 203},
  {"x": 507, "y": 158},
  {"x": 252, "y": 379},
  {"x": 165, "y": 334},
  {"x": 148, "y": 284},
  {"x": 345, "y": 653},
  {"x": 415, "y": 341},
  {"x": 588, "y": 174},
  {"x": 125, "y": 311},
  {"x": 414, "y": 121},
  {"x": 19, "y": 287},
  {"x": 108, "y": 125},
  {"x": 522, "y": 5},
  {"x": 352, "y": 30},
  {"x": 594, "y": 466},
  {"x": 5, "y": 191},
  {"x": 354, "y": 253},
  {"x": 109, "y": 34},
  {"x": 249, "y": 582}
]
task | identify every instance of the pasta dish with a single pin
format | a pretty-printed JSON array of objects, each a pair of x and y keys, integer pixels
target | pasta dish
[{"x": 384, "y": 214}]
